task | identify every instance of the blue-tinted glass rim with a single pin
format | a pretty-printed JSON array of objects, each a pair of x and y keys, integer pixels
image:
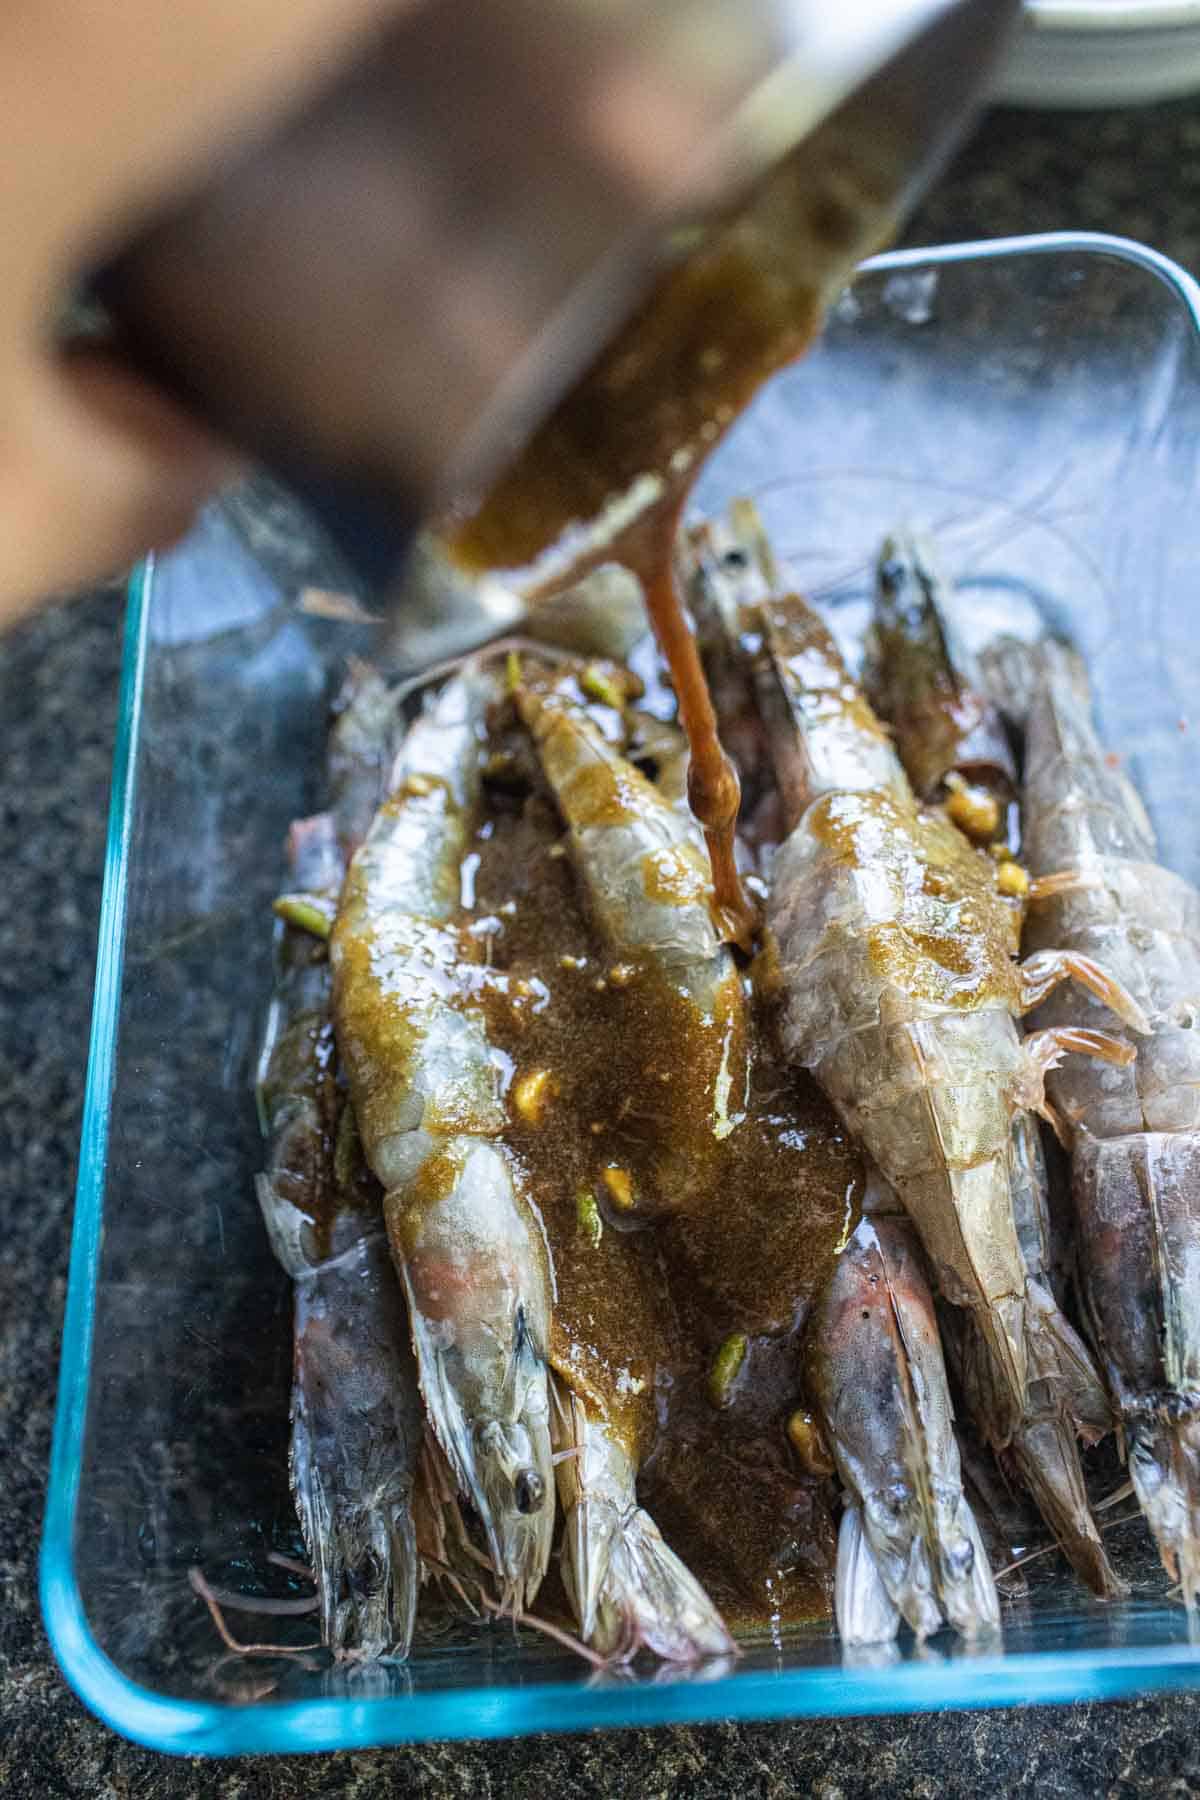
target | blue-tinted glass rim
[{"x": 188, "y": 1727}]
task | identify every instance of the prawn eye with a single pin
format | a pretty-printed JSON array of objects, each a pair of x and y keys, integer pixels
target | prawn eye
[
  {"x": 529, "y": 1490},
  {"x": 897, "y": 1498},
  {"x": 366, "y": 1577},
  {"x": 959, "y": 1558}
]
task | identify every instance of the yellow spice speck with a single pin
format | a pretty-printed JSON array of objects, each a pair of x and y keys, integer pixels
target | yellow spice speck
[
  {"x": 1012, "y": 880},
  {"x": 620, "y": 1187},
  {"x": 531, "y": 1094},
  {"x": 975, "y": 812},
  {"x": 806, "y": 1438}
]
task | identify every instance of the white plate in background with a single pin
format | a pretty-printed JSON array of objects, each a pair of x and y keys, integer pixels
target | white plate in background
[{"x": 1080, "y": 53}]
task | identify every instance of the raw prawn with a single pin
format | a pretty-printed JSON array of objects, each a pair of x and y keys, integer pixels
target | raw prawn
[
  {"x": 954, "y": 747},
  {"x": 1136, "y": 1130},
  {"x": 909, "y": 1546},
  {"x": 426, "y": 1091},
  {"x": 356, "y": 1409},
  {"x": 614, "y": 1330},
  {"x": 895, "y": 960},
  {"x": 648, "y": 891},
  {"x": 950, "y": 736}
]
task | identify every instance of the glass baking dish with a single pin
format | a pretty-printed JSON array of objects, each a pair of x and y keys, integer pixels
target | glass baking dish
[{"x": 1036, "y": 401}]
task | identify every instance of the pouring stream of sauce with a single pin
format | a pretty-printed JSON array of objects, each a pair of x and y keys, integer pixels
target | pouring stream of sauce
[{"x": 605, "y": 479}]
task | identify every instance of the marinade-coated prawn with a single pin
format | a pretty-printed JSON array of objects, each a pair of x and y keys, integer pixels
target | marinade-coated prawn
[
  {"x": 426, "y": 1092},
  {"x": 954, "y": 747},
  {"x": 900, "y": 990}
]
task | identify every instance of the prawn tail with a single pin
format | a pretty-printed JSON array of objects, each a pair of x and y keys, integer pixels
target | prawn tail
[
  {"x": 1164, "y": 1465},
  {"x": 1063, "y": 1396},
  {"x": 1066, "y": 1398},
  {"x": 937, "y": 1575},
  {"x": 1046, "y": 1456},
  {"x": 593, "y": 1494},
  {"x": 629, "y": 1591},
  {"x": 865, "y": 1611},
  {"x": 650, "y": 1599}
]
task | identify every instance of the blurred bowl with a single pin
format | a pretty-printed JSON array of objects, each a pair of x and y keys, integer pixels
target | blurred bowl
[{"x": 1085, "y": 53}]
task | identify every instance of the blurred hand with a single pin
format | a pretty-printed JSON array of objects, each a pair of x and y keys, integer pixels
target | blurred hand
[{"x": 106, "y": 107}]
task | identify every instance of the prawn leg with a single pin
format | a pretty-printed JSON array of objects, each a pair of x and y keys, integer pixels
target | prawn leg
[
  {"x": 1046, "y": 970},
  {"x": 1045, "y": 1050}
]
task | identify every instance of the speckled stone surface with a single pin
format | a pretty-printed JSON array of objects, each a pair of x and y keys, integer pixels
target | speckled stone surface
[{"x": 1135, "y": 173}]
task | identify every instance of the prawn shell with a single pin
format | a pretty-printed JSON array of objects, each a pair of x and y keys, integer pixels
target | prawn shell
[
  {"x": 1078, "y": 804},
  {"x": 899, "y": 999},
  {"x": 875, "y": 904},
  {"x": 1138, "y": 1201},
  {"x": 356, "y": 1435}
]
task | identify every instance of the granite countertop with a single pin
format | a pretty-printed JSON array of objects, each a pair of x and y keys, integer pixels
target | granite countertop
[{"x": 1134, "y": 173}]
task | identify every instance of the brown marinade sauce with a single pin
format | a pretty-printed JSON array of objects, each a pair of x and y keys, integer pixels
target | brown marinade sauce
[{"x": 641, "y": 1309}]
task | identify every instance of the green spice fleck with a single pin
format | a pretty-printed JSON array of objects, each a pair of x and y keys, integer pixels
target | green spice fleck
[
  {"x": 588, "y": 1214},
  {"x": 306, "y": 912},
  {"x": 600, "y": 686},
  {"x": 726, "y": 1367}
]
